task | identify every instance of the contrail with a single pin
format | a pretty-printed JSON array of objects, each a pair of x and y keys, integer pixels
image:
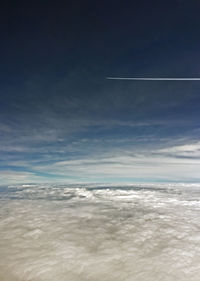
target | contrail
[{"x": 154, "y": 79}]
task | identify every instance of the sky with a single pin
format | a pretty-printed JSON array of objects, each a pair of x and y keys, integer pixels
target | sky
[{"x": 62, "y": 121}]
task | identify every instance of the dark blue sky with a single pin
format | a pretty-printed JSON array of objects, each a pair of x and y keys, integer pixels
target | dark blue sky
[{"x": 61, "y": 120}]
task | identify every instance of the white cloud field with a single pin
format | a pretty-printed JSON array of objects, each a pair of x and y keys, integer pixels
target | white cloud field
[{"x": 107, "y": 232}]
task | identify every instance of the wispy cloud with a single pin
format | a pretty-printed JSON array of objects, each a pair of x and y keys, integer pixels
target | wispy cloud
[
  {"x": 99, "y": 132},
  {"x": 10, "y": 176},
  {"x": 128, "y": 164},
  {"x": 191, "y": 150}
]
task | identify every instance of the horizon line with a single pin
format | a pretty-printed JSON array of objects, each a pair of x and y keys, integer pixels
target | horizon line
[{"x": 155, "y": 78}]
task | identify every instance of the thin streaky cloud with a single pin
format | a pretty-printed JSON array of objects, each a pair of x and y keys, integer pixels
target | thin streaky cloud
[{"x": 155, "y": 78}]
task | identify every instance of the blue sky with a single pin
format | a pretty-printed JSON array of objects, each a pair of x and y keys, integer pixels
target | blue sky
[{"x": 62, "y": 121}]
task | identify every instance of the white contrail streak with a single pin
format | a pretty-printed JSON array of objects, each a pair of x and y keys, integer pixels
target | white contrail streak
[{"x": 154, "y": 79}]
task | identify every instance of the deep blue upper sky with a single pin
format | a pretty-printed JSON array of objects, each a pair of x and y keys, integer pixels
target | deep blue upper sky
[{"x": 61, "y": 120}]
